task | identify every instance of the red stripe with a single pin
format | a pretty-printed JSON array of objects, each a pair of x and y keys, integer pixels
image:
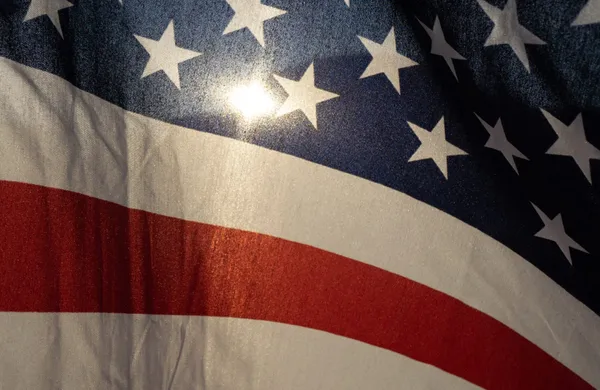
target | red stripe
[{"x": 65, "y": 252}]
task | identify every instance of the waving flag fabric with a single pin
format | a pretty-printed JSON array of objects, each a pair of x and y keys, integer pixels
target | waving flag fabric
[{"x": 279, "y": 194}]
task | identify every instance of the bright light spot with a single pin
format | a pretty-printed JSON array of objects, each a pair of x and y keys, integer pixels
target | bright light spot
[{"x": 252, "y": 101}]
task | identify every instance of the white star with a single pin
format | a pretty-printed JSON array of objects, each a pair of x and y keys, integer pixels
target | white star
[
  {"x": 47, "y": 7},
  {"x": 554, "y": 230},
  {"x": 303, "y": 95},
  {"x": 251, "y": 14},
  {"x": 386, "y": 59},
  {"x": 589, "y": 14},
  {"x": 434, "y": 146},
  {"x": 165, "y": 55},
  {"x": 572, "y": 142},
  {"x": 347, "y": 2},
  {"x": 507, "y": 30},
  {"x": 440, "y": 47},
  {"x": 499, "y": 142}
]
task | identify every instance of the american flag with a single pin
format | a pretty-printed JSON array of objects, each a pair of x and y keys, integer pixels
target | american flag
[{"x": 281, "y": 194}]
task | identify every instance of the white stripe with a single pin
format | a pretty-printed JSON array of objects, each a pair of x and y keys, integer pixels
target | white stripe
[
  {"x": 59, "y": 136},
  {"x": 122, "y": 351}
]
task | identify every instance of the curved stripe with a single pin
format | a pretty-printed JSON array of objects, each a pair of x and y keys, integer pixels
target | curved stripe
[
  {"x": 66, "y": 252},
  {"x": 62, "y": 137},
  {"x": 111, "y": 351}
]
